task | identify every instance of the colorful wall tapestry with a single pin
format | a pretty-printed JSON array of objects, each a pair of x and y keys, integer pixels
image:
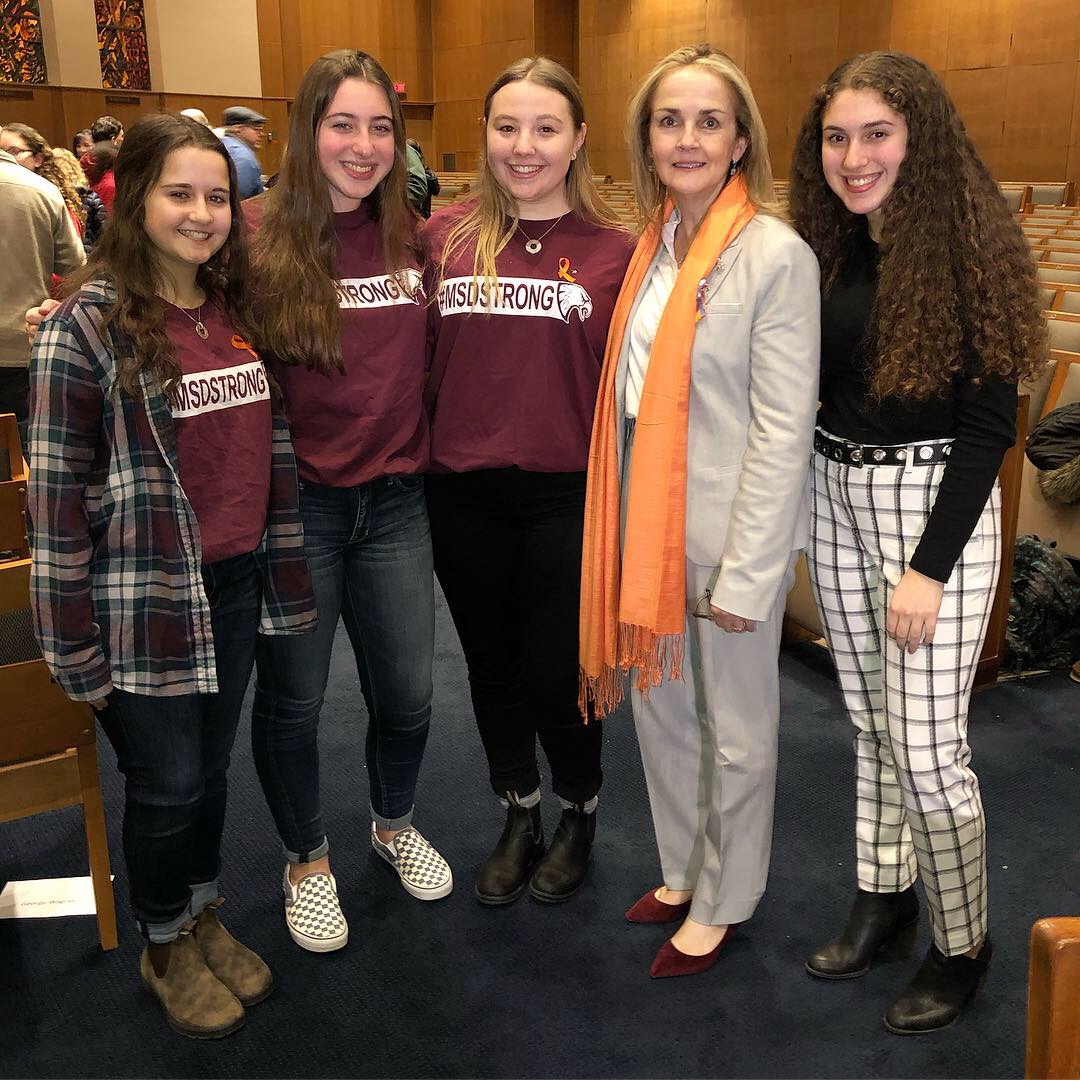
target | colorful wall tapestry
[
  {"x": 22, "y": 55},
  {"x": 125, "y": 61}
]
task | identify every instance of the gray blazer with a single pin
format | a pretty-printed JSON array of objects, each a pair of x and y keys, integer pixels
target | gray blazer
[{"x": 753, "y": 399}]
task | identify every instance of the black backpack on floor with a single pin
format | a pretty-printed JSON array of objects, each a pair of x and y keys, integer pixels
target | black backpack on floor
[{"x": 1044, "y": 609}]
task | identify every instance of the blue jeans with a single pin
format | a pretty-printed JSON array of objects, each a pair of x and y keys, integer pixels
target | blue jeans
[
  {"x": 369, "y": 549},
  {"x": 174, "y": 754}
]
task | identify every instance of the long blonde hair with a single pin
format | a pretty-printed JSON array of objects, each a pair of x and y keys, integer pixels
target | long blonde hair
[
  {"x": 754, "y": 164},
  {"x": 493, "y": 217}
]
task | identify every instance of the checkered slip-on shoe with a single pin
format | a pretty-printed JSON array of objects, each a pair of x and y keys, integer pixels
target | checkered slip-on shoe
[
  {"x": 423, "y": 871},
  {"x": 313, "y": 914}
]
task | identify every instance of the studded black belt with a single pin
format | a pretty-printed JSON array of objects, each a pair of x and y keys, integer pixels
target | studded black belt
[{"x": 858, "y": 454}]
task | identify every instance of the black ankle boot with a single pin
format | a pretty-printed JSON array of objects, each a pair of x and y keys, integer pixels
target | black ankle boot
[
  {"x": 937, "y": 995},
  {"x": 505, "y": 872},
  {"x": 562, "y": 870},
  {"x": 879, "y": 922}
]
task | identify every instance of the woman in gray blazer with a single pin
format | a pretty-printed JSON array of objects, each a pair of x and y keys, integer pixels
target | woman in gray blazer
[{"x": 697, "y": 478}]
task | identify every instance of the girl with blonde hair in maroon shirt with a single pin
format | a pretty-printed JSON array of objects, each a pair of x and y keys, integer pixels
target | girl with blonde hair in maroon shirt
[{"x": 527, "y": 274}]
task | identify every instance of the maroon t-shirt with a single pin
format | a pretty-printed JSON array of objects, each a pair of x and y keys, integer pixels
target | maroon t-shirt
[
  {"x": 223, "y": 433},
  {"x": 515, "y": 372},
  {"x": 350, "y": 428}
]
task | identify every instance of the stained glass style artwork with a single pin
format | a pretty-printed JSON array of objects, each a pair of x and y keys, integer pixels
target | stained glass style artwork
[
  {"x": 125, "y": 60},
  {"x": 22, "y": 54}
]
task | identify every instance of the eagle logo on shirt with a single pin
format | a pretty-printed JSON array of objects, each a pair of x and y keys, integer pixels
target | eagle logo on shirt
[{"x": 572, "y": 297}]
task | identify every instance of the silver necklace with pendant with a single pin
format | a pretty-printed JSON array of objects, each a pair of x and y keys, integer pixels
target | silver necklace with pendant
[
  {"x": 200, "y": 329},
  {"x": 534, "y": 247}
]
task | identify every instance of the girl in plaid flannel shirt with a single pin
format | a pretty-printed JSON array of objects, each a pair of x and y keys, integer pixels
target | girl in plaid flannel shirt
[{"x": 151, "y": 561}]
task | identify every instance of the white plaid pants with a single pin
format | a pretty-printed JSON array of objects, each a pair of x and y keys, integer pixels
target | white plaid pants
[{"x": 918, "y": 808}]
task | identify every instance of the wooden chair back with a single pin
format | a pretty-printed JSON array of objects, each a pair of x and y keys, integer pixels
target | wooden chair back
[
  {"x": 13, "y": 477},
  {"x": 1053, "y": 1019},
  {"x": 48, "y": 752}
]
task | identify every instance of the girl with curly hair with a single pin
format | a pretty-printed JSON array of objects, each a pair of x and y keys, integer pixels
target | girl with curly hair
[{"x": 930, "y": 318}]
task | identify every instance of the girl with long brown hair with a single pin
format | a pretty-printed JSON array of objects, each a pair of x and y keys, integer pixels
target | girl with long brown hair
[
  {"x": 930, "y": 317},
  {"x": 526, "y": 277},
  {"x": 151, "y": 560},
  {"x": 342, "y": 310}
]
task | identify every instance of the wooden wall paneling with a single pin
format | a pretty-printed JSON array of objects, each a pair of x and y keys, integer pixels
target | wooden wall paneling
[
  {"x": 39, "y": 107},
  {"x": 861, "y": 27},
  {"x": 1045, "y": 33},
  {"x": 921, "y": 28},
  {"x": 980, "y": 97},
  {"x": 272, "y": 68},
  {"x": 1037, "y": 127},
  {"x": 728, "y": 31},
  {"x": 978, "y": 33},
  {"x": 555, "y": 31},
  {"x": 292, "y": 61},
  {"x": 83, "y": 106}
]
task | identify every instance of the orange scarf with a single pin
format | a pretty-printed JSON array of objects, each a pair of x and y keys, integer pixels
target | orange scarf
[{"x": 634, "y": 615}]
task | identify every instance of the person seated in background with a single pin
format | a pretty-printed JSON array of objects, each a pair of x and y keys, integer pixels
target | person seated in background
[
  {"x": 423, "y": 183},
  {"x": 243, "y": 135}
]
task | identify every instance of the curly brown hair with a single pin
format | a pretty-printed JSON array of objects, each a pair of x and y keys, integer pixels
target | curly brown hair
[{"x": 956, "y": 293}]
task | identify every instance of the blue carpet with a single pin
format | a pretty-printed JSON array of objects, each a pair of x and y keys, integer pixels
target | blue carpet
[{"x": 455, "y": 989}]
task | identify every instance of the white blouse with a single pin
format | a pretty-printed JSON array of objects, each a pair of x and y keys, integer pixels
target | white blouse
[{"x": 655, "y": 294}]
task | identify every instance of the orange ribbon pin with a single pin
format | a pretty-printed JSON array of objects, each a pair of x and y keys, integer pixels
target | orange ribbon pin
[
  {"x": 237, "y": 342},
  {"x": 565, "y": 272}
]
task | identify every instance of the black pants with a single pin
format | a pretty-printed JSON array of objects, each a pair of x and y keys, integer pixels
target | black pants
[
  {"x": 508, "y": 556},
  {"x": 14, "y": 395}
]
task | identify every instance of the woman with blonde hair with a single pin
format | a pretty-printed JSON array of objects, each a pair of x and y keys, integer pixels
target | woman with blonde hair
[
  {"x": 527, "y": 274},
  {"x": 930, "y": 317},
  {"x": 696, "y": 500}
]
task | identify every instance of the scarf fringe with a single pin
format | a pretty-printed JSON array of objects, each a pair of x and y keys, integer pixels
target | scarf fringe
[{"x": 637, "y": 648}]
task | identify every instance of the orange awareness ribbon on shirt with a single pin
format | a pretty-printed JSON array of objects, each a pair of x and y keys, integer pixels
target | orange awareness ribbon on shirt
[
  {"x": 237, "y": 342},
  {"x": 564, "y": 271}
]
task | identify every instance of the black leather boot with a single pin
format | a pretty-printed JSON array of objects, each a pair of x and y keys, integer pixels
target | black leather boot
[
  {"x": 562, "y": 870},
  {"x": 937, "y": 995},
  {"x": 505, "y": 872},
  {"x": 884, "y": 923}
]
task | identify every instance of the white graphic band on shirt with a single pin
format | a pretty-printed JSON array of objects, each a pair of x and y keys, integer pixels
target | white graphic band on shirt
[
  {"x": 515, "y": 296},
  {"x": 208, "y": 391},
  {"x": 380, "y": 291}
]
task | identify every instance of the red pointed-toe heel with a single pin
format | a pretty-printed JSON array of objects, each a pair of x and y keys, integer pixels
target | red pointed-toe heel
[
  {"x": 670, "y": 961},
  {"x": 650, "y": 910}
]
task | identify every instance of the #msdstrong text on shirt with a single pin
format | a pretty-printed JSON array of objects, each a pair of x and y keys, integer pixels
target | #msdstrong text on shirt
[{"x": 515, "y": 296}]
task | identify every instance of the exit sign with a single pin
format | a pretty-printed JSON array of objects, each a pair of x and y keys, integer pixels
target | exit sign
[{"x": 399, "y": 88}]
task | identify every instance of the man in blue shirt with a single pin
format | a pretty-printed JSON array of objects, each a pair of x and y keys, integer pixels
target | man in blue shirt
[{"x": 242, "y": 136}]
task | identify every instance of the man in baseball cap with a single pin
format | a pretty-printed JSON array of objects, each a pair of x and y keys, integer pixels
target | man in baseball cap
[{"x": 242, "y": 136}]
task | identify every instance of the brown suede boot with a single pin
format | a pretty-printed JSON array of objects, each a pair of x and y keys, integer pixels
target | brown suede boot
[
  {"x": 195, "y": 1003},
  {"x": 235, "y": 965}
]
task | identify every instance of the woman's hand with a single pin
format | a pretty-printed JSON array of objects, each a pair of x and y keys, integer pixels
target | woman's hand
[
  {"x": 35, "y": 316},
  {"x": 731, "y": 624},
  {"x": 98, "y": 705},
  {"x": 913, "y": 611}
]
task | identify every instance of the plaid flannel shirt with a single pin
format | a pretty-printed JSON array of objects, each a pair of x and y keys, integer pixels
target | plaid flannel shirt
[{"x": 116, "y": 580}]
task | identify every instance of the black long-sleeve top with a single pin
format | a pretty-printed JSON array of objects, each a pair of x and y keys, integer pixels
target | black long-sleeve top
[{"x": 980, "y": 417}]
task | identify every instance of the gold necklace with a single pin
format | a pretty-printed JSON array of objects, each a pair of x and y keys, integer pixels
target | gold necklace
[
  {"x": 534, "y": 247},
  {"x": 200, "y": 329}
]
